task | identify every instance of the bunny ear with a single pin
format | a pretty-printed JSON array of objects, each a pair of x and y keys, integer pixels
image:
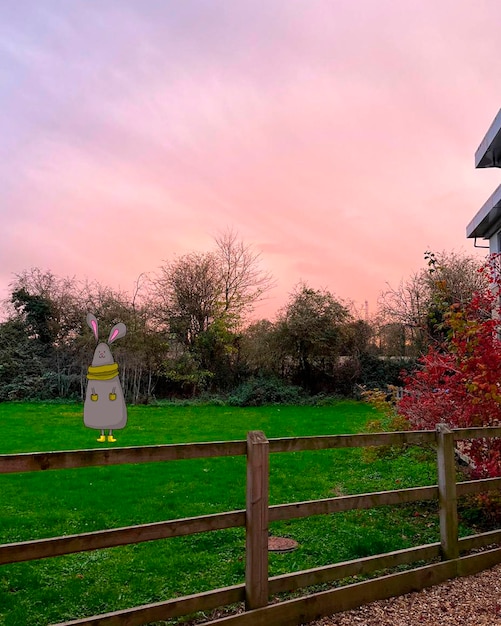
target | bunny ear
[
  {"x": 117, "y": 331},
  {"x": 92, "y": 322}
]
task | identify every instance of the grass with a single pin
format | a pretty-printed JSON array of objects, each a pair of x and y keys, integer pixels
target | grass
[{"x": 44, "y": 504}]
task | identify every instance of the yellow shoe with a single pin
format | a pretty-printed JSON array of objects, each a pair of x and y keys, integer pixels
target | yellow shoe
[
  {"x": 111, "y": 438},
  {"x": 101, "y": 439}
]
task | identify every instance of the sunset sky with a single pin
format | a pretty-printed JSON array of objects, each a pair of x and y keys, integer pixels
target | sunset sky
[{"x": 335, "y": 136}]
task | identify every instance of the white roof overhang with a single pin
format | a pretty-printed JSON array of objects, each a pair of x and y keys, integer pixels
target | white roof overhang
[
  {"x": 487, "y": 221},
  {"x": 488, "y": 153}
]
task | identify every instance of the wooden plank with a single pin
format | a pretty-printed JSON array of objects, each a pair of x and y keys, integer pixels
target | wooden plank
[
  {"x": 311, "y": 607},
  {"x": 57, "y": 546},
  {"x": 477, "y": 432},
  {"x": 41, "y": 461},
  {"x": 447, "y": 495},
  {"x": 164, "y": 610},
  {"x": 256, "y": 548},
  {"x": 477, "y": 486},
  {"x": 357, "y": 567},
  {"x": 296, "y": 510},
  {"x": 474, "y": 563},
  {"x": 296, "y": 444},
  {"x": 479, "y": 541}
]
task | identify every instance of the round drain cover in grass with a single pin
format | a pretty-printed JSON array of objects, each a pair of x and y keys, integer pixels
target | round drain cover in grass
[{"x": 281, "y": 544}]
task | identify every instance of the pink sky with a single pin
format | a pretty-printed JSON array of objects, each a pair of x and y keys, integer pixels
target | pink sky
[{"x": 337, "y": 137}]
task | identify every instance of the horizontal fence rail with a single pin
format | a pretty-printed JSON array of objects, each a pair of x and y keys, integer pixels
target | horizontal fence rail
[
  {"x": 258, "y": 587},
  {"x": 67, "y": 459},
  {"x": 57, "y": 546},
  {"x": 298, "y": 444},
  {"x": 70, "y": 459}
]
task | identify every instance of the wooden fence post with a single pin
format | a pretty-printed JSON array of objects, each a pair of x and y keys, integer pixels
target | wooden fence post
[
  {"x": 447, "y": 497},
  {"x": 256, "y": 525}
]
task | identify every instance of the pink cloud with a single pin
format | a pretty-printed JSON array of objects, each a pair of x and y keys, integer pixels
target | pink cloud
[{"x": 336, "y": 137}]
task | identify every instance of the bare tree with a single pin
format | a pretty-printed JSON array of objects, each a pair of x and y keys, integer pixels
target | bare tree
[
  {"x": 244, "y": 282},
  {"x": 419, "y": 301},
  {"x": 188, "y": 291},
  {"x": 196, "y": 289},
  {"x": 202, "y": 300}
]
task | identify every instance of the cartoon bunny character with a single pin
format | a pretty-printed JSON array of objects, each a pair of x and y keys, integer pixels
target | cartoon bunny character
[{"x": 104, "y": 406}]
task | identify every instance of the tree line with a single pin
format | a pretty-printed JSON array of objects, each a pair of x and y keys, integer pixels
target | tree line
[{"x": 190, "y": 330}]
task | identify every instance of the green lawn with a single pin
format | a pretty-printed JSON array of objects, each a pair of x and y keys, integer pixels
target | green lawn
[{"x": 44, "y": 504}]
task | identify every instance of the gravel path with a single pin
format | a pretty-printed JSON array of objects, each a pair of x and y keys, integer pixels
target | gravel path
[{"x": 471, "y": 601}]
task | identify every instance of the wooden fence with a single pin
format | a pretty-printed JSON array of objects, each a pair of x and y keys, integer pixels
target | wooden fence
[{"x": 259, "y": 587}]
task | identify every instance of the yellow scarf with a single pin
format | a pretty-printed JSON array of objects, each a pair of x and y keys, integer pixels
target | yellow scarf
[{"x": 102, "y": 372}]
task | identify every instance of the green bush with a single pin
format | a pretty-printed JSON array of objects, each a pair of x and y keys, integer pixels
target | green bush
[
  {"x": 261, "y": 391},
  {"x": 34, "y": 387},
  {"x": 388, "y": 420},
  {"x": 378, "y": 372}
]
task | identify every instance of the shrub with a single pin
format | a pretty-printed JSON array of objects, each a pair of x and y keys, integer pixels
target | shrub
[
  {"x": 261, "y": 391},
  {"x": 377, "y": 372},
  {"x": 322, "y": 399},
  {"x": 458, "y": 382},
  {"x": 390, "y": 421},
  {"x": 481, "y": 510}
]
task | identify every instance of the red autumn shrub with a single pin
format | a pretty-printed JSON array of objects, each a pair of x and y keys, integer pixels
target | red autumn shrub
[{"x": 459, "y": 381}]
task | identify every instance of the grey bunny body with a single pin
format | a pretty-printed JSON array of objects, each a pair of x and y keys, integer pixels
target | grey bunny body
[
  {"x": 104, "y": 406},
  {"x": 107, "y": 410}
]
